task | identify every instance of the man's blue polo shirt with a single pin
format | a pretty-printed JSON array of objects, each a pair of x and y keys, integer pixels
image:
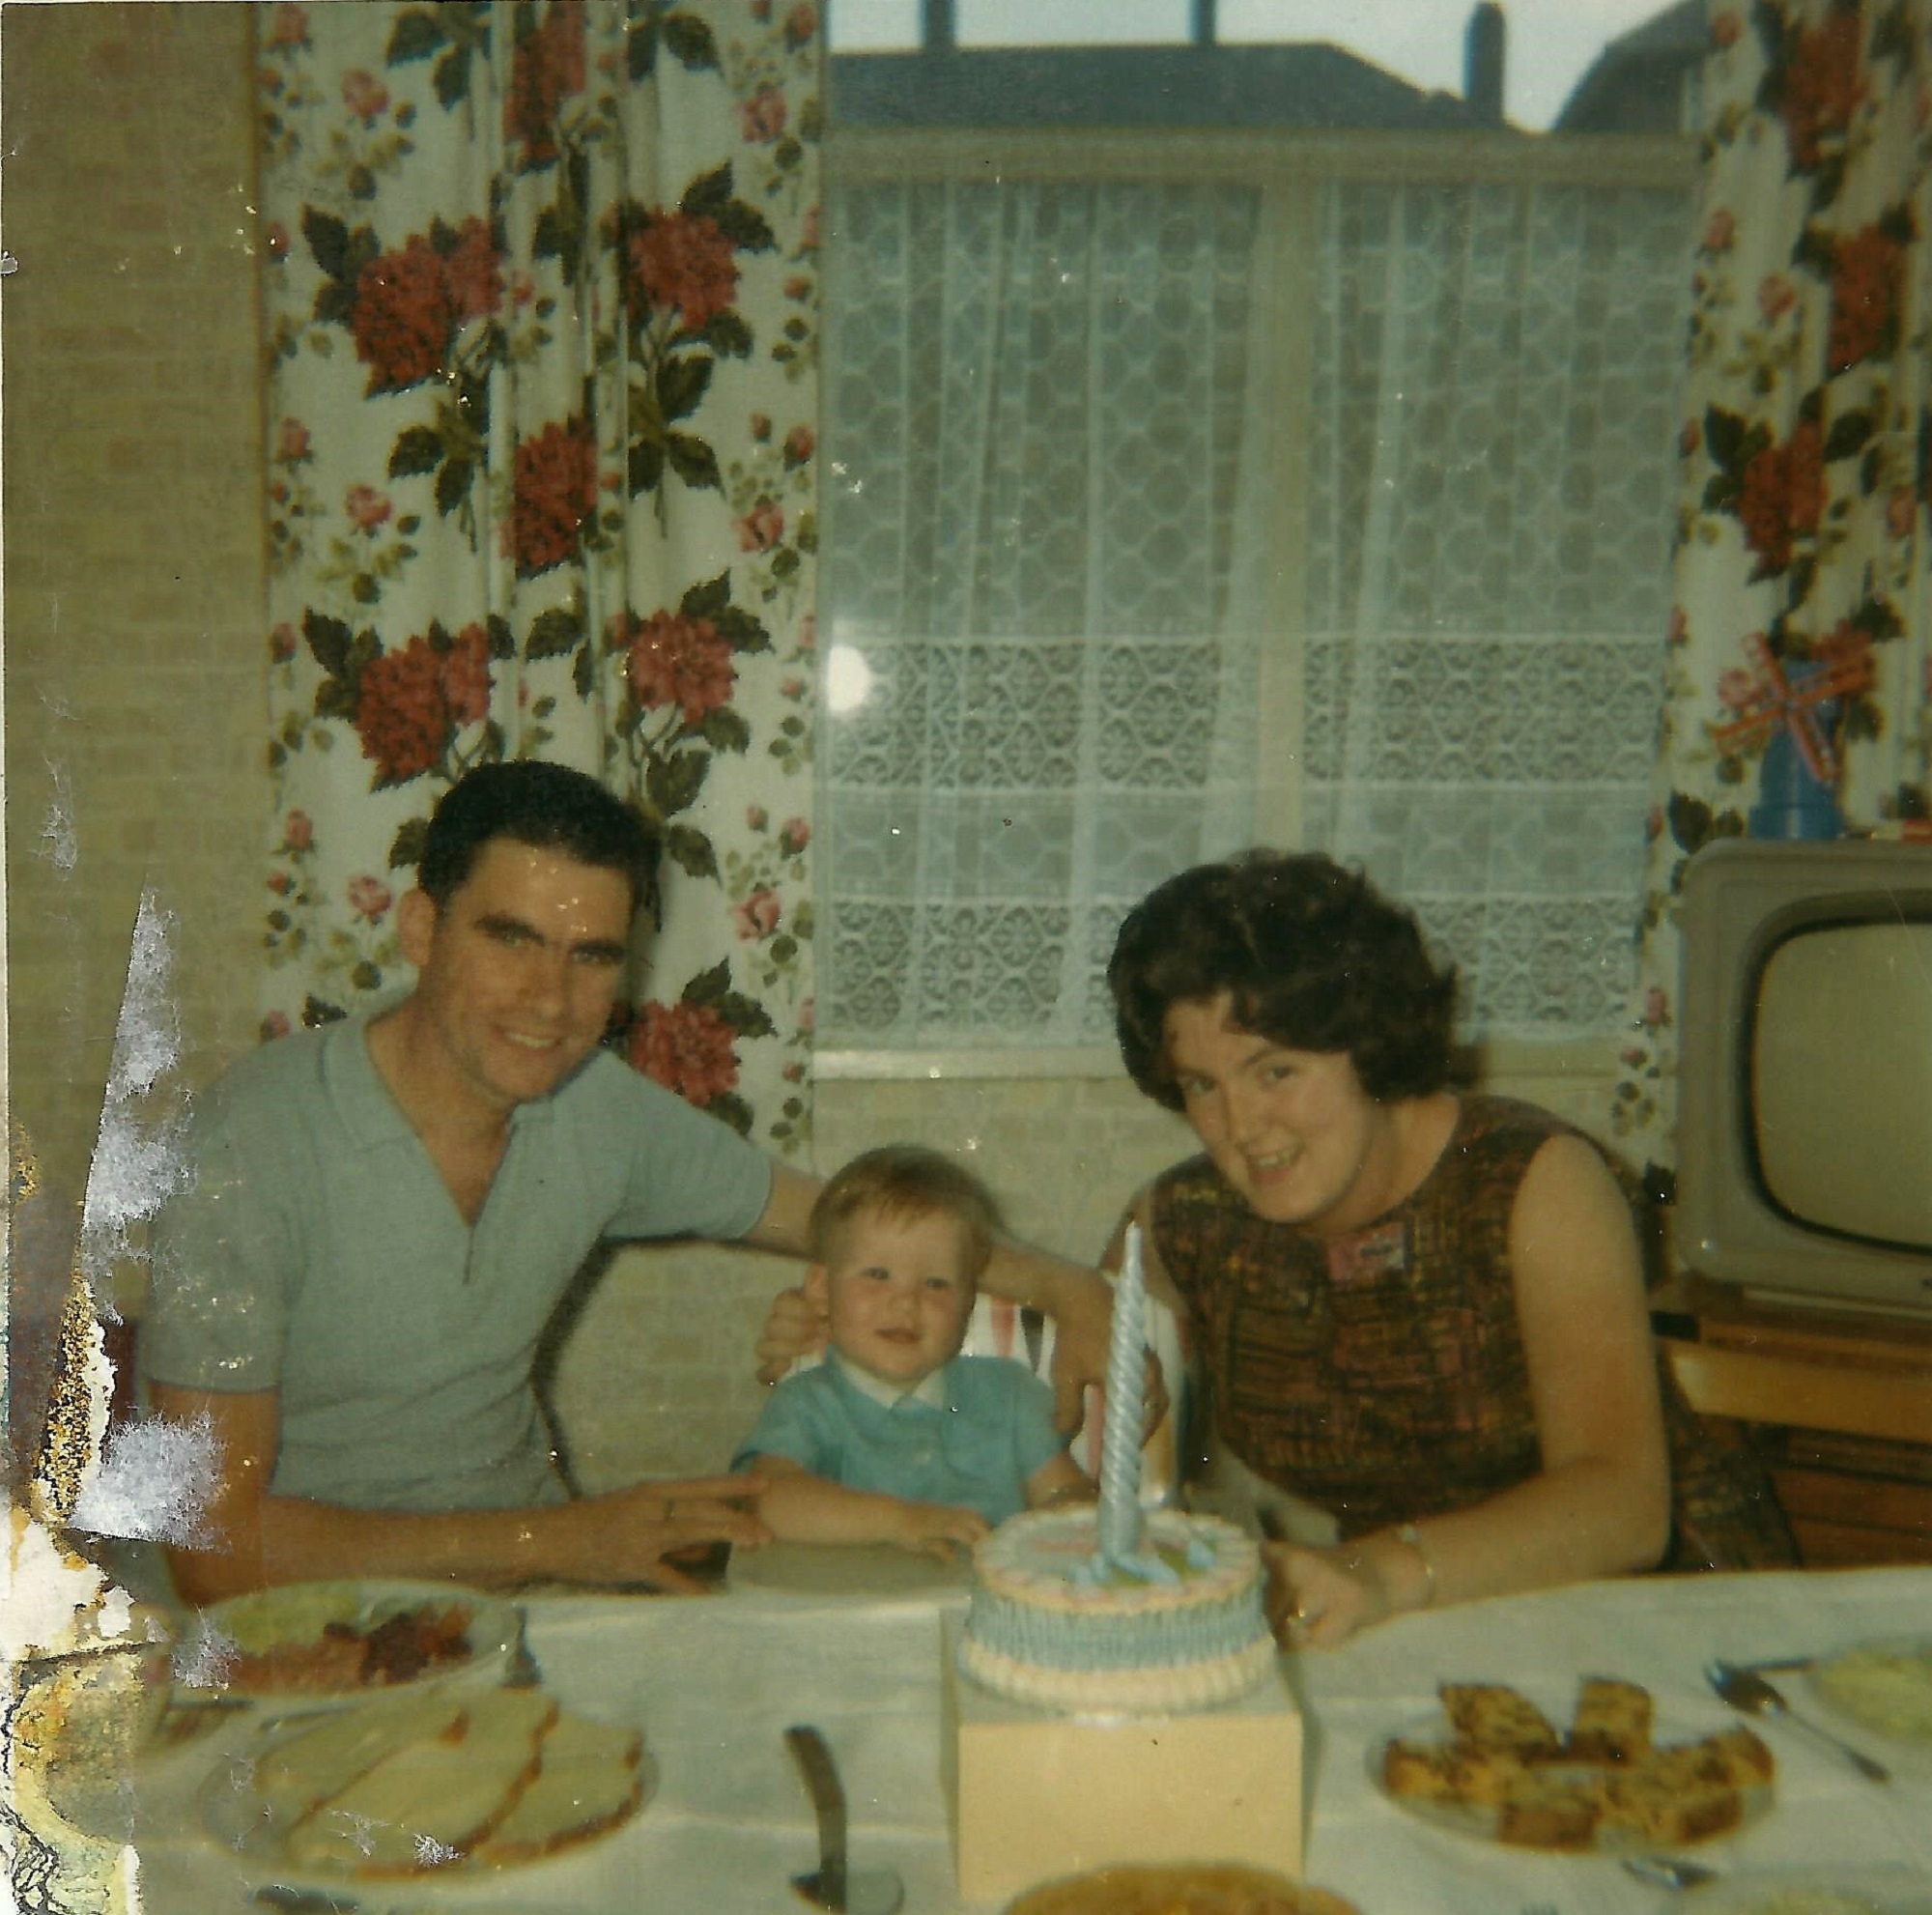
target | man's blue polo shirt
[{"x": 320, "y": 1254}]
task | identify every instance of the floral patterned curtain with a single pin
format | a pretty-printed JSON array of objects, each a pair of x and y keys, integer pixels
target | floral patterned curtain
[
  {"x": 540, "y": 297},
  {"x": 1795, "y": 673}
]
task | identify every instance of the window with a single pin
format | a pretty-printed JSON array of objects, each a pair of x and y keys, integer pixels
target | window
[{"x": 1190, "y": 495}]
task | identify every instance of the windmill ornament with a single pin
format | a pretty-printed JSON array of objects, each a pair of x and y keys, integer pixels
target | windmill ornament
[{"x": 1790, "y": 713}]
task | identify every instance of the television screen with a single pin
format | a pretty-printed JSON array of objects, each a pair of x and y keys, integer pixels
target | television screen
[
  {"x": 1841, "y": 1079},
  {"x": 1804, "y": 1115}
]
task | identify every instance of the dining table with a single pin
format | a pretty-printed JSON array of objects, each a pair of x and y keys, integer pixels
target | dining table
[{"x": 713, "y": 1682}]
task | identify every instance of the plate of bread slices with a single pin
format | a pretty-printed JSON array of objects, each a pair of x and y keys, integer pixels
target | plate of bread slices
[
  {"x": 1193, "y": 1888},
  {"x": 1605, "y": 1779},
  {"x": 325, "y": 1644},
  {"x": 429, "y": 1782}
]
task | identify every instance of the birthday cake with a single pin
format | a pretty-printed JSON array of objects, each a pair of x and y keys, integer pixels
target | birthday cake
[{"x": 1053, "y": 1623}]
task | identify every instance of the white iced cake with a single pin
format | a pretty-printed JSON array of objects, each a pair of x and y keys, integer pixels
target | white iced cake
[{"x": 1053, "y": 1625}]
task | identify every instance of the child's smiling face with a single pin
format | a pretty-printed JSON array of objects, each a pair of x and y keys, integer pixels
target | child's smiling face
[{"x": 900, "y": 1294}]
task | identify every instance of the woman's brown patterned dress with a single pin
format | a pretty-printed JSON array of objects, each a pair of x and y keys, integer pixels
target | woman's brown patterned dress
[{"x": 1381, "y": 1375}]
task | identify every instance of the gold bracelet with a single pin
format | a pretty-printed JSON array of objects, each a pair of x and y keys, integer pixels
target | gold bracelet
[{"x": 1408, "y": 1534}]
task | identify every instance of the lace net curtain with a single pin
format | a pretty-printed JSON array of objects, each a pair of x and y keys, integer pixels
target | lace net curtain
[
  {"x": 1489, "y": 497},
  {"x": 1035, "y": 438},
  {"x": 1085, "y": 510}
]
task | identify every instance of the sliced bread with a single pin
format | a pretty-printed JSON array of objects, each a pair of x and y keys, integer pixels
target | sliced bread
[
  {"x": 305, "y": 1771},
  {"x": 589, "y": 1776},
  {"x": 427, "y": 1802}
]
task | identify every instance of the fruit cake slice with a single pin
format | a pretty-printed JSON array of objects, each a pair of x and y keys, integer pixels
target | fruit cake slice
[
  {"x": 1492, "y": 1718},
  {"x": 1612, "y": 1723},
  {"x": 1546, "y": 1811}
]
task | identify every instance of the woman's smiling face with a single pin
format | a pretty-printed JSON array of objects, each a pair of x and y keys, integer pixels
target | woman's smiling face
[{"x": 1292, "y": 1130}]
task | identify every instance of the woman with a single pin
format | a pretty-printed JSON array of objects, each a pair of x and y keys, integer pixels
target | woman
[{"x": 1421, "y": 1311}]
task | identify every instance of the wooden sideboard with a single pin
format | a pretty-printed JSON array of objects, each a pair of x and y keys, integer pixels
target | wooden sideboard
[{"x": 1839, "y": 1405}]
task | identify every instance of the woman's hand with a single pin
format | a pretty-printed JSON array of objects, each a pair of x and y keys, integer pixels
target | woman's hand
[
  {"x": 1317, "y": 1598},
  {"x": 796, "y": 1327},
  {"x": 937, "y": 1528},
  {"x": 1083, "y": 1334}
]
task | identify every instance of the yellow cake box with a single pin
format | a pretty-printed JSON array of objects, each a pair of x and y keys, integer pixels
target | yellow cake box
[{"x": 1033, "y": 1794}]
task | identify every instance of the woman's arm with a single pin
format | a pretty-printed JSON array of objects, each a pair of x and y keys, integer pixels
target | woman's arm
[
  {"x": 1601, "y": 1504},
  {"x": 800, "y": 1508}
]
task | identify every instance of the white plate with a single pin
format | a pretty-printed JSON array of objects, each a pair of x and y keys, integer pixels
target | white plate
[
  {"x": 297, "y": 1614},
  {"x": 1477, "y": 1819},
  {"x": 242, "y": 1823},
  {"x": 1876, "y": 1891},
  {"x": 1884, "y": 1688}
]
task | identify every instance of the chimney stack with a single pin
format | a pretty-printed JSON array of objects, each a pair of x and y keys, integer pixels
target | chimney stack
[
  {"x": 940, "y": 36},
  {"x": 1482, "y": 50},
  {"x": 1203, "y": 23}
]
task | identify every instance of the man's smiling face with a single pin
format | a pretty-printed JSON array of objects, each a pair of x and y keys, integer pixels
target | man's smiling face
[{"x": 518, "y": 971}]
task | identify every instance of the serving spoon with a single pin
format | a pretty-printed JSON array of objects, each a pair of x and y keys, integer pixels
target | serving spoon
[
  {"x": 834, "y": 1887},
  {"x": 1668, "y": 1871},
  {"x": 1745, "y": 1688}
]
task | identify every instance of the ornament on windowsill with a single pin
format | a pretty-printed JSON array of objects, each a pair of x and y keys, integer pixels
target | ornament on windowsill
[{"x": 1793, "y": 712}]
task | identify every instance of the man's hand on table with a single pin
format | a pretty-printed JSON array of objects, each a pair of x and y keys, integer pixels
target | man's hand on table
[{"x": 626, "y": 1535}]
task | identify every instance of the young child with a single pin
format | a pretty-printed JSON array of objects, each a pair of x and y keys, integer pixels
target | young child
[{"x": 897, "y": 1438}]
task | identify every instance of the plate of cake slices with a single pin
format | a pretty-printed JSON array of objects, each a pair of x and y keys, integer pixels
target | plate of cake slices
[
  {"x": 1197, "y": 1888},
  {"x": 1607, "y": 1778},
  {"x": 321, "y": 1645},
  {"x": 1884, "y": 1688},
  {"x": 1882, "y": 1889},
  {"x": 430, "y": 1783}
]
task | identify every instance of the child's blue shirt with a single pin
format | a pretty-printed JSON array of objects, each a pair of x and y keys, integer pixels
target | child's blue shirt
[{"x": 970, "y": 1435}]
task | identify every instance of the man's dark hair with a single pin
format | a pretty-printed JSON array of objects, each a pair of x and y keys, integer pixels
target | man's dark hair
[
  {"x": 1311, "y": 956},
  {"x": 910, "y": 1182},
  {"x": 548, "y": 807}
]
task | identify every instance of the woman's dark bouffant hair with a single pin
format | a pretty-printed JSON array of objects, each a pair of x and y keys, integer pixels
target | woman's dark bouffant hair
[{"x": 1313, "y": 957}]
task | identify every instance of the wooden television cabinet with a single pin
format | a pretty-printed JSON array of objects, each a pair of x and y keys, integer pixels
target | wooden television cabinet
[{"x": 1838, "y": 1404}]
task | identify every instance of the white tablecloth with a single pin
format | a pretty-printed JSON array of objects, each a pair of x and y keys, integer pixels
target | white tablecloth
[{"x": 714, "y": 1683}]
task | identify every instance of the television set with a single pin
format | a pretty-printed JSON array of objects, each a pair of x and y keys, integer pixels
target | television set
[{"x": 1805, "y": 1108}]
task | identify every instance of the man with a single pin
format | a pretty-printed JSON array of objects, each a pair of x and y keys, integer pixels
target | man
[{"x": 387, "y": 1211}]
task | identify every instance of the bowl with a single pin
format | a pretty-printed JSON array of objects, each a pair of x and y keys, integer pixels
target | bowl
[{"x": 304, "y": 1643}]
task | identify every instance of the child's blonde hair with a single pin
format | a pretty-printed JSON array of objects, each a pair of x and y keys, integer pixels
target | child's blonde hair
[{"x": 908, "y": 1181}]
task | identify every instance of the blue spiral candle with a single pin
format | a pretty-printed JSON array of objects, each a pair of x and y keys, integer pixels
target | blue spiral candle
[{"x": 1120, "y": 1440}]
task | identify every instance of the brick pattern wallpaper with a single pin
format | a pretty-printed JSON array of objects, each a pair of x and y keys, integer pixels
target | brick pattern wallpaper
[{"x": 134, "y": 538}]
